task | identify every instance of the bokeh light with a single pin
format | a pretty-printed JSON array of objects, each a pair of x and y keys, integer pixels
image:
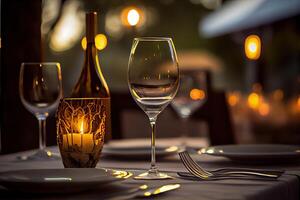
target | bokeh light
[
  {"x": 69, "y": 28},
  {"x": 197, "y": 94},
  {"x": 100, "y": 42},
  {"x": 253, "y": 100},
  {"x": 264, "y": 109},
  {"x": 233, "y": 99},
  {"x": 252, "y": 47},
  {"x": 133, "y": 17}
]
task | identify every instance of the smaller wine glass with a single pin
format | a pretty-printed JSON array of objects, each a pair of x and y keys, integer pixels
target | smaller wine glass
[
  {"x": 191, "y": 95},
  {"x": 40, "y": 90}
]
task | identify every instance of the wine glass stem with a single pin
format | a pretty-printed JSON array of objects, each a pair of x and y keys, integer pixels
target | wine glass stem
[
  {"x": 185, "y": 132},
  {"x": 42, "y": 133},
  {"x": 153, "y": 161}
]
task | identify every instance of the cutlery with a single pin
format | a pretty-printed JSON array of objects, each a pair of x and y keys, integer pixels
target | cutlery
[
  {"x": 228, "y": 169},
  {"x": 199, "y": 172},
  {"x": 189, "y": 176},
  {"x": 144, "y": 191}
]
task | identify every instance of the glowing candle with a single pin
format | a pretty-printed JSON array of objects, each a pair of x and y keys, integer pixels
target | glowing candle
[
  {"x": 81, "y": 125},
  {"x": 83, "y": 141}
]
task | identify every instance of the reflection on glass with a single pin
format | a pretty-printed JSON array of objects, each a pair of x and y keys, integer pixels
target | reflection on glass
[
  {"x": 40, "y": 90},
  {"x": 153, "y": 79}
]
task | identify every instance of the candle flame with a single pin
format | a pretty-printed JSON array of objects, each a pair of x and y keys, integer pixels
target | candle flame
[{"x": 81, "y": 127}]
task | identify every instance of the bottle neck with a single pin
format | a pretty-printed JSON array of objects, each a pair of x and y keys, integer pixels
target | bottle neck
[
  {"x": 91, "y": 27},
  {"x": 91, "y": 50},
  {"x": 91, "y": 60},
  {"x": 91, "y": 82}
]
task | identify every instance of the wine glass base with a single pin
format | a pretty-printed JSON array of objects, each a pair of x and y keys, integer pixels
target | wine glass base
[
  {"x": 152, "y": 176},
  {"x": 41, "y": 155}
]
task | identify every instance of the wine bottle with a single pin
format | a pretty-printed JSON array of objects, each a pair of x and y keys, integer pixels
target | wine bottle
[{"x": 91, "y": 83}]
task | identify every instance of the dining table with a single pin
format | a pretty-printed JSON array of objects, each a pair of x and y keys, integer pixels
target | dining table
[{"x": 286, "y": 187}]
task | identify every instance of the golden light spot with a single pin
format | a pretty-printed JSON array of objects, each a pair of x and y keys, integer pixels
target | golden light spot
[
  {"x": 197, "y": 94},
  {"x": 171, "y": 149},
  {"x": 143, "y": 187},
  {"x": 233, "y": 99},
  {"x": 133, "y": 17},
  {"x": 298, "y": 102},
  {"x": 147, "y": 194},
  {"x": 264, "y": 109},
  {"x": 166, "y": 188},
  {"x": 253, "y": 100},
  {"x": 83, "y": 43},
  {"x": 201, "y": 151},
  {"x": 100, "y": 42},
  {"x": 49, "y": 153},
  {"x": 210, "y": 151},
  {"x": 253, "y": 47}
]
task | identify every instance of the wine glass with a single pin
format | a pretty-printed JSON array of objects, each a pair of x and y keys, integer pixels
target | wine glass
[
  {"x": 40, "y": 90},
  {"x": 153, "y": 79},
  {"x": 191, "y": 95}
]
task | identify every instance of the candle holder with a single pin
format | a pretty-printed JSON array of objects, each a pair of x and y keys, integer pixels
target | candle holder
[{"x": 80, "y": 131}]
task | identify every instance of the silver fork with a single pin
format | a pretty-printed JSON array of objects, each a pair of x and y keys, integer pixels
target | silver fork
[{"x": 199, "y": 172}]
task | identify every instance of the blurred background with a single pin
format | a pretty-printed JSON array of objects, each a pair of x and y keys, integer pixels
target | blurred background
[{"x": 249, "y": 49}]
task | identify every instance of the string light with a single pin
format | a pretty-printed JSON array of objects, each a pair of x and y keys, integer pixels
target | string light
[
  {"x": 252, "y": 47},
  {"x": 133, "y": 17}
]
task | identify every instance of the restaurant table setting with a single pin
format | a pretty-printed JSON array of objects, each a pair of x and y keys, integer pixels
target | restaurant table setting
[
  {"x": 88, "y": 183},
  {"x": 84, "y": 165}
]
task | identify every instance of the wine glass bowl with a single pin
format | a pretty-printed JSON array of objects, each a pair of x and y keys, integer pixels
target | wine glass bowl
[
  {"x": 153, "y": 73},
  {"x": 191, "y": 95},
  {"x": 40, "y": 91},
  {"x": 153, "y": 79}
]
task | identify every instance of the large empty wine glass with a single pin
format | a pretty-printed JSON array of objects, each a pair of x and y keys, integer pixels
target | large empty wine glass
[
  {"x": 153, "y": 78},
  {"x": 191, "y": 95},
  {"x": 40, "y": 90}
]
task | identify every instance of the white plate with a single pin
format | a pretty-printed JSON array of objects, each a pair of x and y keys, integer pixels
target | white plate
[
  {"x": 138, "y": 152},
  {"x": 58, "y": 180},
  {"x": 262, "y": 153}
]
